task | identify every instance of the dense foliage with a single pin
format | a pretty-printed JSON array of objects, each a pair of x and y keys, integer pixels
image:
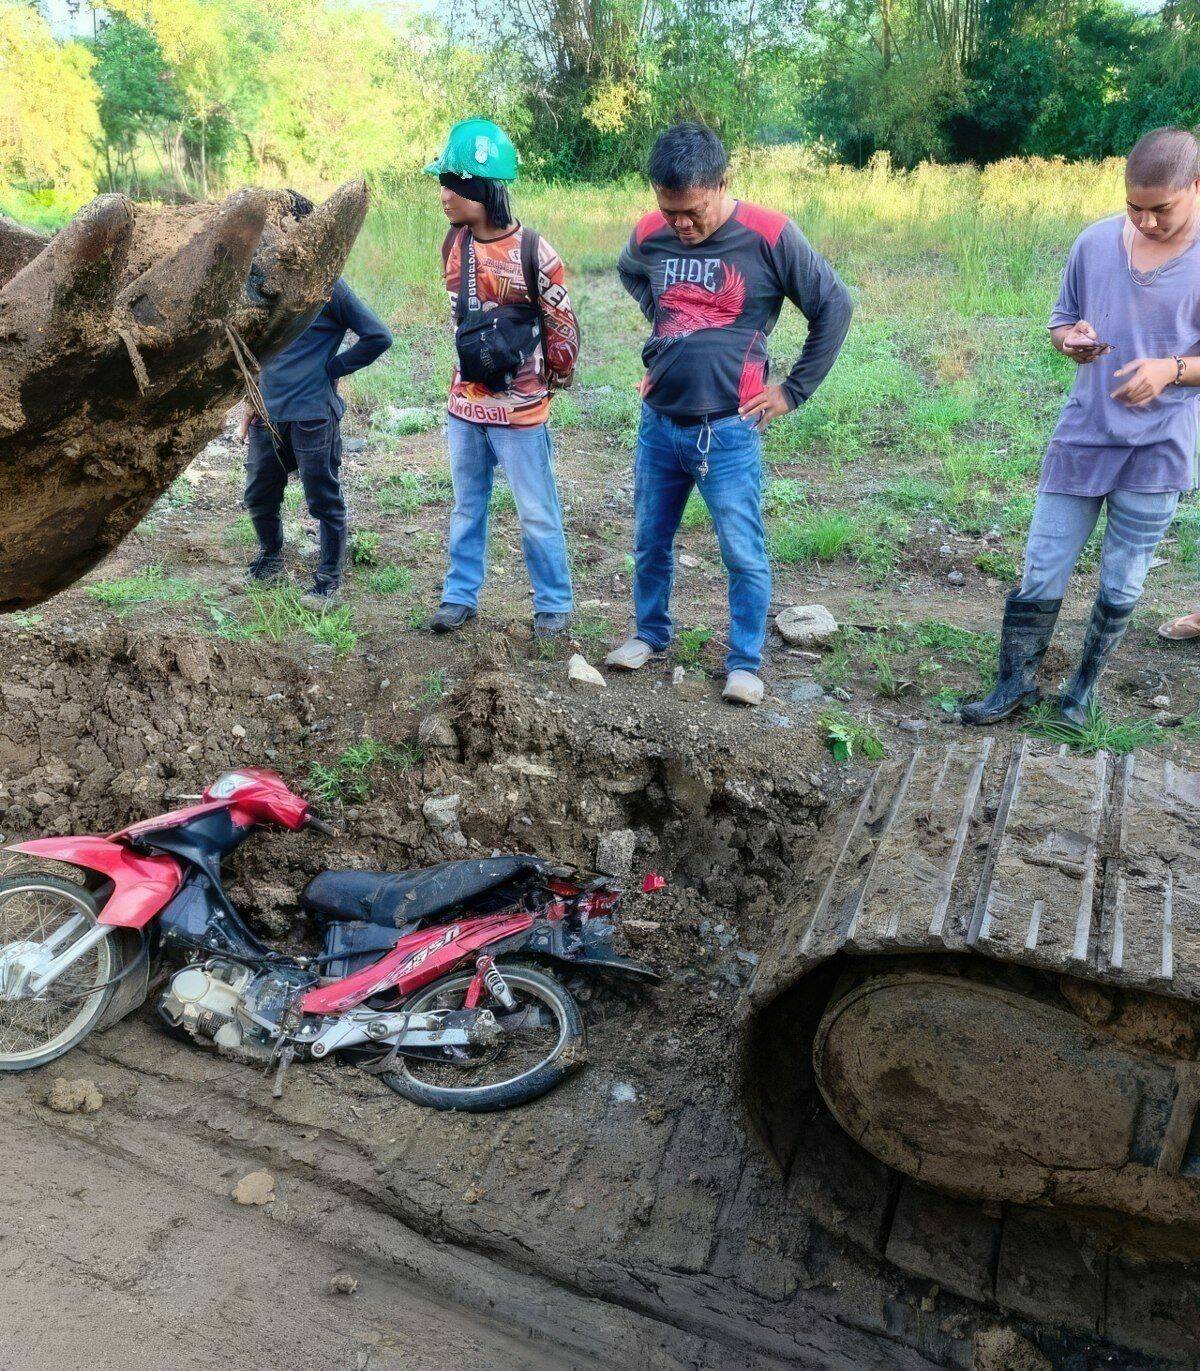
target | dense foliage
[{"x": 186, "y": 96}]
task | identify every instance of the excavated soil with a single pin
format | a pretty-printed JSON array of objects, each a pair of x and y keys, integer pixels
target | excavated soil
[{"x": 635, "y": 1183}]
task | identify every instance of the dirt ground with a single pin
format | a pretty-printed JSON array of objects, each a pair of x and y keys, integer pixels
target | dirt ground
[{"x": 633, "y": 1189}]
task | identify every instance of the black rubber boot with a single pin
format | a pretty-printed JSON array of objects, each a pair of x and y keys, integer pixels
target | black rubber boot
[
  {"x": 1104, "y": 631},
  {"x": 1024, "y": 637}
]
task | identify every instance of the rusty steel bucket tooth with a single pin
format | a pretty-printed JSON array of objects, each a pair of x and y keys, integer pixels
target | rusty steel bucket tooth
[{"x": 124, "y": 340}]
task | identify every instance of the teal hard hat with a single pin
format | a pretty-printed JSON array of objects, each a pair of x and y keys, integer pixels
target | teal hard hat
[{"x": 477, "y": 147}]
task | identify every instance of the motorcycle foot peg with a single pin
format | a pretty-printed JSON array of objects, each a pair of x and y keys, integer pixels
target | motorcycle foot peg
[{"x": 495, "y": 982}]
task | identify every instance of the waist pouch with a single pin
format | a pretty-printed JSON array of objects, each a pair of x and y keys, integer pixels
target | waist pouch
[{"x": 494, "y": 344}]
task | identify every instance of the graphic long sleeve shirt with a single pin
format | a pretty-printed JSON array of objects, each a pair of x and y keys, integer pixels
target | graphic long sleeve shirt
[
  {"x": 713, "y": 305},
  {"x": 500, "y": 280}
]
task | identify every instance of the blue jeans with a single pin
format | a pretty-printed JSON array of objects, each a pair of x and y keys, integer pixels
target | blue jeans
[
  {"x": 1061, "y": 525},
  {"x": 527, "y": 457},
  {"x": 723, "y": 461}
]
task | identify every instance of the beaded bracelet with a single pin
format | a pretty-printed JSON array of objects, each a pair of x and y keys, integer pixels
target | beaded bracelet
[{"x": 1180, "y": 368}]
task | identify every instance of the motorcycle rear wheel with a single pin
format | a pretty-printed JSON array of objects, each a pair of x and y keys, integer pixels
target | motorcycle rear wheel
[
  {"x": 35, "y": 1032},
  {"x": 538, "y": 995}
]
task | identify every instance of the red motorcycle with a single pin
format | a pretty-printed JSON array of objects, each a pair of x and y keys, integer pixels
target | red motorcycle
[{"x": 441, "y": 979}]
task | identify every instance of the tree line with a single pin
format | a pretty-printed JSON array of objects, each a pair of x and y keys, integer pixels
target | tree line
[{"x": 185, "y": 96}]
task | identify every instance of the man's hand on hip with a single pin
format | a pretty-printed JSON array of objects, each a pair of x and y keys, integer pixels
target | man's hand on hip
[{"x": 768, "y": 405}]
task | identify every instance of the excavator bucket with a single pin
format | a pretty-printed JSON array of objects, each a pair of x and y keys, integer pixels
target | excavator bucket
[{"x": 124, "y": 340}]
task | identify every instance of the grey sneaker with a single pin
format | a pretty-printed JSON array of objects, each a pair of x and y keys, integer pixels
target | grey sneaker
[
  {"x": 632, "y": 655},
  {"x": 743, "y": 688},
  {"x": 449, "y": 617},
  {"x": 547, "y": 625}
]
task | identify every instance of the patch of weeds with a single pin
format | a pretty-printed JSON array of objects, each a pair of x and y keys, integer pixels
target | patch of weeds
[
  {"x": 389, "y": 579},
  {"x": 695, "y": 513},
  {"x": 592, "y": 628},
  {"x": 433, "y": 686},
  {"x": 416, "y": 618},
  {"x": 887, "y": 682},
  {"x": 1187, "y": 534},
  {"x": 152, "y": 583},
  {"x": 1099, "y": 733},
  {"x": 503, "y": 500},
  {"x": 1189, "y": 727},
  {"x": 629, "y": 564},
  {"x": 813, "y": 537},
  {"x": 277, "y": 611},
  {"x": 364, "y": 547},
  {"x": 293, "y": 497},
  {"x": 916, "y": 492},
  {"x": 784, "y": 495},
  {"x": 1016, "y": 515},
  {"x": 847, "y": 737},
  {"x": 349, "y": 778},
  {"x": 690, "y": 643},
  {"x": 959, "y": 644},
  {"x": 946, "y": 699},
  {"x": 405, "y": 492},
  {"x": 1002, "y": 565},
  {"x": 25, "y": 618},
  {"x": 179, "y": 494}
]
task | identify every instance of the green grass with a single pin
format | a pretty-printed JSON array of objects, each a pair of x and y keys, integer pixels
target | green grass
[
  {"x": 150, "y": 584},
  {"x": 1099, "y": 733},
  {"x": 364, "y": 547},
  {"x": 241, "y": 532},
  {"x": 695, "y": 513},
  {"x": 350, "y": 777},
  {"x": 277, "y": 612},
  {"x": 1002, "y": 565},
  {"x": 405, "y": 492},
  {"x": 690, "y": 644},
  {"x": 815, "y": 536},
  {"x": 389, "y": 580},
  {"x": 433, "y": 686}
]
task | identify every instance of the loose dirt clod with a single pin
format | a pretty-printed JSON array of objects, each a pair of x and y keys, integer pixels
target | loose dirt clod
[
  {"x": 256, "y": 1188},
  {"x": 74, "y": 1096},
  {"x": 1004, "y": 1349},
  {"x": 342, "y": 1283}
]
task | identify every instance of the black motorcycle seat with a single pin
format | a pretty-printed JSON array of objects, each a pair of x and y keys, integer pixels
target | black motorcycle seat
[{"x": 393, "y": 899}]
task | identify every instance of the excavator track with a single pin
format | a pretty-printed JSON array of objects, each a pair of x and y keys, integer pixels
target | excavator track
[{"x": 981, "y": 1018}]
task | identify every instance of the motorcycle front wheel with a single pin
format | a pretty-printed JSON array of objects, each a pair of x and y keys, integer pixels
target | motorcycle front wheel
[
  {"x": 37, "y": 910},
  {"x": 541, "y": 1042}
]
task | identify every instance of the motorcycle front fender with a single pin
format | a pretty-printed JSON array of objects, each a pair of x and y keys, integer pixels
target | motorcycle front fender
[{"x": 141, "y": 886}]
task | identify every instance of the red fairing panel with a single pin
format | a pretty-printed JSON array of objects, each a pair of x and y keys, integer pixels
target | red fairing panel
[
  {"x": 141, "y": 885},
  {"x": 422, "y": 957}
]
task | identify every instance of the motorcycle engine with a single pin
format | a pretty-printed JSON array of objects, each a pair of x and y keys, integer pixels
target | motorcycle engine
[{"x": 205, "y": 1001}]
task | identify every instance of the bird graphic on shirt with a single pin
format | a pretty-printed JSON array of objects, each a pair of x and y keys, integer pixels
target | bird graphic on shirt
[{"x": 686, "y": 307}]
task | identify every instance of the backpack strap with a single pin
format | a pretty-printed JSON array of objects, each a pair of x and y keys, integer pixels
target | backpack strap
[
  {"x": 464, "y": 256},
  {"x": 531, "y": 242}
]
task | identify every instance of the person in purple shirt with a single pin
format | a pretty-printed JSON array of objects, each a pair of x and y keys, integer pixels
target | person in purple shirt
[
  {"x": 301, "y": 431},
  {"x": 711, "y": 274},
  {"x": 1128, "y": 315}
]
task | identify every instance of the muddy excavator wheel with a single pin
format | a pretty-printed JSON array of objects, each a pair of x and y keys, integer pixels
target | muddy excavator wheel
[{"x": 124, "y": 340}]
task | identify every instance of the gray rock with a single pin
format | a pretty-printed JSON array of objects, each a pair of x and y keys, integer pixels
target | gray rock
[
  {"x": 441, "y": 811},
  {"x": 806, "y": 625},
  {"x": 806, "y": 692},
  {"x": 437, "y": 732},
  {"x": 581, "y": 672},
  {"x": 614, "y": 852},
  {"x": 946, "y": 550},
  {"x": 955, "y": 578},
  {"x": 913, "y": 725},
  {"x": 353, "y": 446}
]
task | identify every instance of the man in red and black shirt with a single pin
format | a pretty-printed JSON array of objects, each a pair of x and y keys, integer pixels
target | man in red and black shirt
[{"x": 711, "y": 273}]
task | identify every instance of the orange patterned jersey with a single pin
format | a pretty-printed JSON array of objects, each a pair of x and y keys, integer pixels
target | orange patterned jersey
[{"x": 499, "y": 280}]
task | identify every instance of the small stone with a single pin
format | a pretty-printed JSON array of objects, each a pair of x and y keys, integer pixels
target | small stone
[
  {"x": 913, "y": 725},
  {"x": 437, "y": 732},
  {"x": 687, "y": 687},
  {"x": 238, "y": 731},
  {"x": 342, "y": 1283},
  {"x": 806, "y": 692},
  {"x": 806, "y": 625},
  {"x": 582, "y": 672},
  {"x": 945, "y": 550},
  {"x": 74, "y": 1096},
  {"x": 441, "y": 811},
  {"x": 687, "y": 560},
  {"x": 614, "y": 852},
  {"x": 638, "y": 930},
  {"x": 473, "y": 1194},
  {"x": 622, "y": 1093},
  {"x": 955, "y": 578},
  {"x": 256, "y": 1188},
  {"x": 1161, "y": 702}
]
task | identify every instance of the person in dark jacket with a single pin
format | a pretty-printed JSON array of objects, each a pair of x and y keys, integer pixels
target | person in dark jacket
[
  {"x": 711, "y": 274},
  {"x": 301, "y": 431}
]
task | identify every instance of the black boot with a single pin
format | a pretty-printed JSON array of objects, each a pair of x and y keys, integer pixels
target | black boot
[
  {"x": 1104, "y": 631},
  {"x": 1024, "y": 637}
]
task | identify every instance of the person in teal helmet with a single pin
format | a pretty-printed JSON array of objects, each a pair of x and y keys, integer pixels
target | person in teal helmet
[{"x": 517, "y": 341}]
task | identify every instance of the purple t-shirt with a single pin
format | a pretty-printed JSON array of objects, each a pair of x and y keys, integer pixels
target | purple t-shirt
[{"x": 1101, "y": 444}]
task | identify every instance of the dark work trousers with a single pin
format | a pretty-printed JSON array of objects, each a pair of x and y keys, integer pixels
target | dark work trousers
[{"x": 313, "y": 449}]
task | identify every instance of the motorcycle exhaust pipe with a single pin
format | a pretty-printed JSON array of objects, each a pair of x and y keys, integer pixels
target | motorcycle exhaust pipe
[{"x": 495, "y": 982}]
